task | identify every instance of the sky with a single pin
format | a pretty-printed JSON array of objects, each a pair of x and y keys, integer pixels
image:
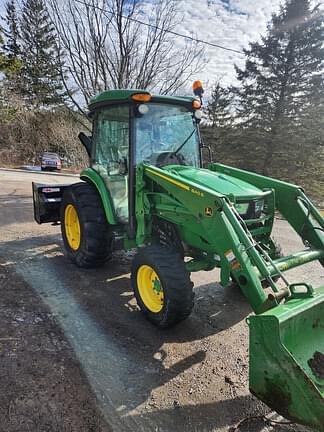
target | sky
[{"x": 232, "y": 23}]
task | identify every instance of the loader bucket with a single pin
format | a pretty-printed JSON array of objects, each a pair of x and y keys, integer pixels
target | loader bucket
[{"x": 287, "y": 359}]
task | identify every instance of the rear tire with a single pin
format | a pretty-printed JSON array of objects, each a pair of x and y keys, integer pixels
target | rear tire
[
  {"x": 85, "y": 231},
  {"x": 162, "y": 285}
]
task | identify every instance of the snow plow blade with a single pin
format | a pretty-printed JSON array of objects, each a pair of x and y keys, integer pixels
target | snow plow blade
[{"x": 287, "y": 359}]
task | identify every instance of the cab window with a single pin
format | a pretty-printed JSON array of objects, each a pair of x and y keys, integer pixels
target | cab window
[
  {"x": 164, "y": 130},
  {"x": 110, "y": 154}
]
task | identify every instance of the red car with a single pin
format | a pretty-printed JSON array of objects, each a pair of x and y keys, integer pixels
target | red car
[{"x": 50, "y": 162}]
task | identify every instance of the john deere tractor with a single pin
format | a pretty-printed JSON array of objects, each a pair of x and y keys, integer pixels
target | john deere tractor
[{"x": 146, "y": 188}]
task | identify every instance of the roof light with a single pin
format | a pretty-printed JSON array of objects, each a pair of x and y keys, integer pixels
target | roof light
[
  {"x": 197, "y": 88},
  {"x": 143, "y": 109},
  {"x": 196, "y": 104},
  {"x": 141, "y": 97}
]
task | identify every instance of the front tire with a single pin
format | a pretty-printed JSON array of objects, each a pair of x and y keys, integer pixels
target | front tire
[
  {"x": 162, "y": 285},
  {"x": 84, "y": 227}
]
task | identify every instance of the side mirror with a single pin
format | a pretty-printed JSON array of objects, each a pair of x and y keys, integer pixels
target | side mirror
[
  {"x": 202, "y": 148},
  {"x": 86, "y": 141}
]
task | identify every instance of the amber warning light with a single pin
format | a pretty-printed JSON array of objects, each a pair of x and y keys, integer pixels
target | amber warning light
[
  {"x": 141, "y": 97},
  {"x": 196, "y": 104},
  {"x": 197, "y": 88}
]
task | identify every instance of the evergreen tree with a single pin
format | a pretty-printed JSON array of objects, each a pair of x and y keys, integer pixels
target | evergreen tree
[
  {"x": 8, "y": 65},
  {"x": 11, "y": 33},
  {"x": 219, "y": 119},
  {"x": 11, "y": 47},
  {"x": 283, "y": 76},
  {"x": 3, "y": 56},
  {"x": 9, "y": 68},
  {"x": 218, "y": 107},
  {"x": 40, "y": 78}
]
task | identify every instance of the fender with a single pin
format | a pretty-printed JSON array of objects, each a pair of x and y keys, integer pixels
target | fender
[{"x": 91, "y": 176}]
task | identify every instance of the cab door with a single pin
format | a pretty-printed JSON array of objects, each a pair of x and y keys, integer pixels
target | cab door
[{"x": 110, "y": 155}]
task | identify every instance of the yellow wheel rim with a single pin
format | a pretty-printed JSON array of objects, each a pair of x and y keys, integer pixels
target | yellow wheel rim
[
  {"x": 72, "y": 227},
  {"x": 150, "y": 288}
]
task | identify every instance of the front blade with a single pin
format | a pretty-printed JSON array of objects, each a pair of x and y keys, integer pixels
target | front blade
[{"x": 287, "y": 359}]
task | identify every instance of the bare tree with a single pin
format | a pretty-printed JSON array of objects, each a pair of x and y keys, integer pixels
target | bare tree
[{"x": 107, "y": 47}]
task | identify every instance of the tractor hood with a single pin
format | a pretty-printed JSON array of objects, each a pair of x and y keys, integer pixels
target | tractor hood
[{"x": 221, "y": 183}]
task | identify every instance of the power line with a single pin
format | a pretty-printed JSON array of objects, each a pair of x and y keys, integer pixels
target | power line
[{"x": 201, "y": 41}]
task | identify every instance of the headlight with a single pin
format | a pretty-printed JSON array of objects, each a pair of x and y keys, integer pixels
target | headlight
[
  {"x": 250, "y": 209},
  {"x": 258, "y": 208},
  {"x": 242, "y": 208}
]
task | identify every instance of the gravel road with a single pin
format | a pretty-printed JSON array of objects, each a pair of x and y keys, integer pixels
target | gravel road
[{"x": 190, "y": 378}]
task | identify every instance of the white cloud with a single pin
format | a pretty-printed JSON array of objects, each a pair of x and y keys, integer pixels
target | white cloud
[{"x": 232, "y": 23}]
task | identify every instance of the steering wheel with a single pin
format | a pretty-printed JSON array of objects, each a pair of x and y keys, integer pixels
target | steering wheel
[
  {"x": 170, "y": 158},
  {"x": 147, "y": 152}
]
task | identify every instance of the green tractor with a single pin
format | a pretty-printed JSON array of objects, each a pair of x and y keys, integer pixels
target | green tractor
[{"x": 146, "y": 188}]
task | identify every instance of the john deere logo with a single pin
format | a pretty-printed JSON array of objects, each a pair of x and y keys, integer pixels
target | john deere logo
[{"x": 208, "y": 211}]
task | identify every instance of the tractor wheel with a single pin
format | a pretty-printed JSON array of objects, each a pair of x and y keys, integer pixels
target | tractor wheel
[
  {"x": 162, "y": 285},
  {"x": 84, "y": 227}
]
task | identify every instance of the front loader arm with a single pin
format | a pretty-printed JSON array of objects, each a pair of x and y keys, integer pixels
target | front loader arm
[{"x": 291, "y": 202}]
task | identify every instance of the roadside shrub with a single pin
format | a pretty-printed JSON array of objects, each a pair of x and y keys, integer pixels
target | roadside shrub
[{"x": 25, "y": 135}]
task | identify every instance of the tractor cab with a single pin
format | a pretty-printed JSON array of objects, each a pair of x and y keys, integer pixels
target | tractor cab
[{"x": 131, "y": 127}]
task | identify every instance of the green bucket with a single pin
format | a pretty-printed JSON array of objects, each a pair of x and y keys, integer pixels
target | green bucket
[{"x": 287, "y": 359}]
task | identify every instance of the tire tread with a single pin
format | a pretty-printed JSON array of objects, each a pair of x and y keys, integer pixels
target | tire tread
[
  {"x": 95, "y": 233},
  {"x": 175, "y": 279}
]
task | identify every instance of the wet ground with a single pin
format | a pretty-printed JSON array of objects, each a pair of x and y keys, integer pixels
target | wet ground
[
  {"x": 122, "y": 373},
  {"x": 42, "y": 386}
]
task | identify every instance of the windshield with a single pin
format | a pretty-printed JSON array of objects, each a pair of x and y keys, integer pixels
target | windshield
[{"x": 166, "y": 134}]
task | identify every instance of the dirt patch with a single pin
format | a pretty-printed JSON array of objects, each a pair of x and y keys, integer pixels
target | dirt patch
[
  {"x": 42, "y": 385},
  {"x": 317, "y": 364}
]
